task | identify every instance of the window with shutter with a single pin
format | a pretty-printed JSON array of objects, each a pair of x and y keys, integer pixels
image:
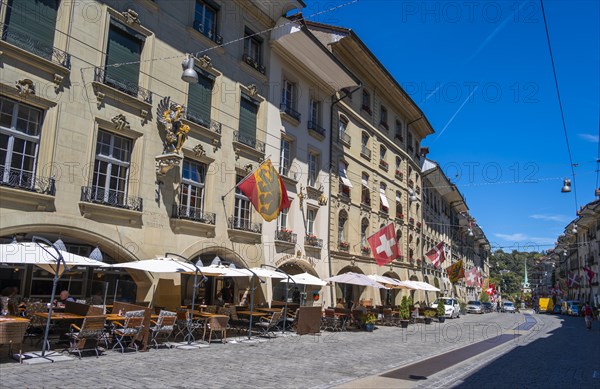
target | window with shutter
[
  {"x": 200, "y": 100},
  {"x": 124, "y": 46},
  {"x": 30, "y": 25},
  {"x": 247, "y": 126}
]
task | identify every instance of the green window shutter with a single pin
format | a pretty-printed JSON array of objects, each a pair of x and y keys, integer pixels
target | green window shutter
[
  {"x": 200, "y": 100},
  {"x": 123, "y": 47},
  {"x": 248, "y": 112},
  {"x": 30, "y": 25}
]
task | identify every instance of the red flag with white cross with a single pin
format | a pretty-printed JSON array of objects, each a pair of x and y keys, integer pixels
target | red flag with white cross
[
  {"x": 384, "y": 245},
  {"x": 437, "y": 254}
]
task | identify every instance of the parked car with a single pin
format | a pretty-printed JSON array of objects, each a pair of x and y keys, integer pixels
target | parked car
[
  {"x": 487, "y": 307},
  {"x": 573, "y": 308},
  {"x": 508, "y": 306},
  {"x": 451, "y": 307},
  {"x": 474, "y": 307}
]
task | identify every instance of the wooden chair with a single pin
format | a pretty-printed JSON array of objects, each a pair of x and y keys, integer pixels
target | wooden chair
[
  {"x": 134, "y": 323},
  {"x": 13, "y": 333},
  {"x": 330, "y": 321},
  {"x": 217, "y": 324},
  {"x": 269, "y": 325},
  {"x": 235, "y": 323},
  {"x": 163, "y": 327},
  {"x": 91, "y": 331}
]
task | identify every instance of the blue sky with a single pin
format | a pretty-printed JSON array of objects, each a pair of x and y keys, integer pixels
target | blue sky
[{"x": 481, "y": 72}]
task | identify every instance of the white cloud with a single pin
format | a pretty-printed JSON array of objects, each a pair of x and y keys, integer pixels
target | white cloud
[
  {"x": 589, "y": 137},
  {"x": 551, "y": 218},
  {"x": 512, "y": 237},
  {"x": 526, "y": 239}
]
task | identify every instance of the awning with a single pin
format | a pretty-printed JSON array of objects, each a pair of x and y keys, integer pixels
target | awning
[
  {"x": 344, "y": 176},
  {"x": 365, "y": 183},
  {"x": 398, "y": 199},
  {"x": 384, "y": 201},
  {"x": 355, "y": 279}
]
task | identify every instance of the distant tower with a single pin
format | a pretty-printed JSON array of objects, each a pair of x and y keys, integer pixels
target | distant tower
[{"x": 526, "y": 280}]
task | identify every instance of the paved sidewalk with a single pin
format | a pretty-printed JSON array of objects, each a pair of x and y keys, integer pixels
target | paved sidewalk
[{"x": 290, "y": 362}]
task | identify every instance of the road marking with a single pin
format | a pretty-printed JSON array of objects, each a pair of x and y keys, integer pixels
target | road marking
[{"x": 423, "y": 369}]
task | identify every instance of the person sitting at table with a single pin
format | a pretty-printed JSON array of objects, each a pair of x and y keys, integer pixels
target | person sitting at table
[
  {"x": 63, "y": 298},
  {"x": 340, "y": 303},
  {"x": 357, "y": 306}
]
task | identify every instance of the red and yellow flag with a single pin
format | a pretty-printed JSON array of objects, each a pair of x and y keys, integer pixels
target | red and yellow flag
[
  {"x": 456, "y": 271},
  {"x": 266, "y": 191}
]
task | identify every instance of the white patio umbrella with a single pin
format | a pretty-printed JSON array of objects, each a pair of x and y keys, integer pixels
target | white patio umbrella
[
  {"x": 384, "y": 280},
  {"x": 425, "y": 286},
  {"x": 158, "y": 265},
  {"x": 306, "y": 279},
  {"x": 355, "y": 279},
  {"x": 267, "y": 273},
  {"x": 40, "y": 254}
]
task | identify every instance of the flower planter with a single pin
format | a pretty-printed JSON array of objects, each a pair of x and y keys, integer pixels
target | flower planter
[
  {"x": 404, "y": 323},
  {"x": 369, "y": 327},
  {"x": 427, "y": 320},
  {"x": 442, "y": 319}
]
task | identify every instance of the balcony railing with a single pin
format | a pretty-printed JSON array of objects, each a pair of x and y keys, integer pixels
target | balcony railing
[
  {"x": 411, "y": 221},
  {"x": 194, "y": 214},
  {"x": 383, "y": 165},
  {"x": 288, "y": 110},
  {"x": 211, "y": 124},
  {"x": 251, "y": 142},
  {"x": 313, "y": 241},
  {"x": 19, "y": 179},
  {"x": 316, "y": 128},
  {"x": 344, "y": 137},
  {"x": 111, "y": 198},
  {"x": 235, "y": 223},
  {"x": 128, "y": 87},
  {"x": 365, "y": 250},
  {"x": 33, "y": 46},
  {"x": 285, "y": 236},
  {"x": 212, "y": 35},
  {"x": 365, "y": 151},
  {"x": 252, "y": 62},
  {"x": 399, "y": 175}
]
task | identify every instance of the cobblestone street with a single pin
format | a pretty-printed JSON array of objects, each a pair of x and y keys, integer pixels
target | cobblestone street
[{"x": 333, "y": 359}]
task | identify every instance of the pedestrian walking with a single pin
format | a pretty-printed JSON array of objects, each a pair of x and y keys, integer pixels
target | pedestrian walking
[{"x": 587, "y": 311}]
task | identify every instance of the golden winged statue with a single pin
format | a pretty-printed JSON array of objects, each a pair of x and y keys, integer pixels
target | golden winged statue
[{"x": 170, "y": 115}]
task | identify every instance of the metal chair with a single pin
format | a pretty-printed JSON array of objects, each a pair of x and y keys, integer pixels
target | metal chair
[
  {"x": 186, "y": 327},
  {"x": 163, "y": 327},
  {"x": 129, "y": 330},
  {"x": 269, "y": 325},
  {"x": 92, "y": 330}
]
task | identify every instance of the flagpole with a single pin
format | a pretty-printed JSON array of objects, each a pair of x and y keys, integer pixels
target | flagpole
[{"x": 246, "y": 177}]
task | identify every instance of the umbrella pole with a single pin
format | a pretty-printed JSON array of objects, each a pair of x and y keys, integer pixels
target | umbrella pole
[
  {"x": 251, "y": 306},
  {"x": 116, "y": 287},
  {"x": 190, "y": 336},
  {"x": 52, "y": 295},
  {"x": 105, "y": 294}
]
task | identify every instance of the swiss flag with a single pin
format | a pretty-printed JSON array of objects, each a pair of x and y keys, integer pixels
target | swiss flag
[
  {"x": 437, "y": 254},
  {"x": 490, "y": 290},
  {"x": 384, "y": 246},
  {"x": 472, "y": 277},
  {"x": 590, "y": 274}
]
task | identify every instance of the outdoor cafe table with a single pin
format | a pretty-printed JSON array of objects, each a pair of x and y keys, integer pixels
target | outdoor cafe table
[
  {"x": 254, "y": 314},
  {"x": 270, "y": 310},
  {"x": 12, "y": 319},
  {"x": 60, "y": 316}
]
